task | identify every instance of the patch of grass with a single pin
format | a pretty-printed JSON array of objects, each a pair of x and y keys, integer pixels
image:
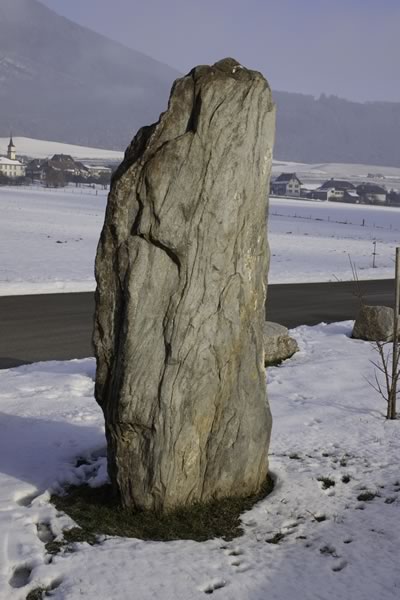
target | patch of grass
[
  {"x": 41, "y": 592},
  {"x": 320, "y": 518},
  {"x": 97, "y": 512},
  {"x": 346, "y": 478},
  {"x": 276, "y": 538},
  {"x": 36, "y": 594},
  {"x": 277, "y": 363},
  {"x": 327, "y": 482},
  {"x": 81, "y": 461},
  {"x": 294, "y": 456},
  {"x": 70, "y": 536},
  {"x": 328, "y": 550},
  {"x": 366, "y": 496},
  {"x": 317, "y": 518}
]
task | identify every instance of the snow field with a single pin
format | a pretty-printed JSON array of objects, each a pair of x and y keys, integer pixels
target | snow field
[
  {"x": 312, "y": 241},
  {"x": 48, "y": 240},
  {"x": 330, "y": 528}
]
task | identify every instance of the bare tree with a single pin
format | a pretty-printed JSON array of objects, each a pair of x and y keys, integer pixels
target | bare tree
[
  {"x": 389, "y": 366},
  {"x": 388, "y": 363}
]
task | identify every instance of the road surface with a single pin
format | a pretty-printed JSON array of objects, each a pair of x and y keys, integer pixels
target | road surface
[{"x": 59, "y": 326}]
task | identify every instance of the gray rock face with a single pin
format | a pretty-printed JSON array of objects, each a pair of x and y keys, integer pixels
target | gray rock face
[
  {"x": 278, "y": 344},
  {"x": 374, "y": 323},
  {"x": 181, "y": 283}
]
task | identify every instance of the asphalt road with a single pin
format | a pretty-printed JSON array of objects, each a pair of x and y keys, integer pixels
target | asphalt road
[{"x": 59, "y": 326}]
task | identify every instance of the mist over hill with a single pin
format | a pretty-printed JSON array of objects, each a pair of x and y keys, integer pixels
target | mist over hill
[
  {"x": 330, "y": 129},
  {"x": 63, "y": 82}
]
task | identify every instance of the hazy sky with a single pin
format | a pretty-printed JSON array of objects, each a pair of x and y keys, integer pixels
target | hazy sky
[{"x": 350, "y": 48}]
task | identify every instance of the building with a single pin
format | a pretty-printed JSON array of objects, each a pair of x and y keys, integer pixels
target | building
[
  {"x": 370, "y": 193},
  {"x": 65, "y": 164},
  {"x": 9, "y": 165},
  {"x": 62, "y": 168},
  {"x": 34, "y": 168},
  {"x": 393, "y": 198},
  {"x": 98, "y": 171},
  {"x": 286, "y": 184},
  {"x": 336, "y": 190}
]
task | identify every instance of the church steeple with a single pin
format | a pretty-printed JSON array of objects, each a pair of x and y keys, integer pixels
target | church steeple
[{"x": 11, "y": 152}]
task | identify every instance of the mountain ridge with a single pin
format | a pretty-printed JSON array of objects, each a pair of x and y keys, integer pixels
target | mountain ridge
[{"x": 61, "y": 81}]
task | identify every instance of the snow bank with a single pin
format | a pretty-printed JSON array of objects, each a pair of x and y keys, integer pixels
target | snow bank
[{"x": 313, "y": 537}]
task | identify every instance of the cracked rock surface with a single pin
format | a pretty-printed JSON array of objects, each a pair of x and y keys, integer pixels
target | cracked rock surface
[{"x": 181, "y": 282}]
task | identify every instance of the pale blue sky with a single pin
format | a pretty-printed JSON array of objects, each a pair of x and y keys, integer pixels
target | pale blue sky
[{"x": 350, "y": 48}]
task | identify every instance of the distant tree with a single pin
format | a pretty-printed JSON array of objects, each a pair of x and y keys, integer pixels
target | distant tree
[
  {"x": 393, "y": 198},
  {"x": 55, "y": 178}
]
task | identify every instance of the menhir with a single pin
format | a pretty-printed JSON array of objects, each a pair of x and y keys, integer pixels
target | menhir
[{"x": 181, "y": 274}]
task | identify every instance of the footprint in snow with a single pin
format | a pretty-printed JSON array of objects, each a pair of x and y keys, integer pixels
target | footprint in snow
[
  {"x": 299, "y": 399},
  {"x": 45, "y": 533},
  {"x": 329, "y": 551},
  {"x": 236, "y": 551},
  {"x": 390, "y": 500},
  {"x": 211, "y": 586},
  {"x": 339, "y": 566},
  {"x": 20, "y": 576}
]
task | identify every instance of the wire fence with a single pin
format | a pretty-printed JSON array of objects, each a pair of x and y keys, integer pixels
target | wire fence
[
  {"x": 74, "y": 190},
  {"x": 363, "y": 223}
]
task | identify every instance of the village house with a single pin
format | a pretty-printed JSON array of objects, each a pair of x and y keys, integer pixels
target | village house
[
  {"x": 98, "y": 171},
  {"x": 65, "y": 164},
  {"x": 370, "y": 193},
  {"x": 62, "y": 168},
  {"x": 286, "y": 184},
  {"x": 336, "y": 190},
  {"x": 9, "y": 165}
]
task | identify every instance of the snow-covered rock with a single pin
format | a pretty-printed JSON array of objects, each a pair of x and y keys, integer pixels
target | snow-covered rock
[
  {"x": 374, "y": 324},
  {"x": 278, "y": 345}
]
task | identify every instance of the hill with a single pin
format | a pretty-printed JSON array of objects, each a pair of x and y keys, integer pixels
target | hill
[{"x": 60, "y": 81}]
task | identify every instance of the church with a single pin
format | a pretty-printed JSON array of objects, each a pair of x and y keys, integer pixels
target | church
[{"x": 9, "y": 165}]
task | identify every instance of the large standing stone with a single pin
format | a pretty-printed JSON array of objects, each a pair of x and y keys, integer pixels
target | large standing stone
[{"x": 181, "y": 281}]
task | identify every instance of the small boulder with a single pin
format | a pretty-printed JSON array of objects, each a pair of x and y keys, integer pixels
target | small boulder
[
  {"x": 374, "y": 324},
  {"x": 278, "y": 345}
]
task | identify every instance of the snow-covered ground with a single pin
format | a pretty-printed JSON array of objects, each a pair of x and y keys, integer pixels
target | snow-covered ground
[
  {"x": 43, "y": 149},
  {"x": 312, "y": 241},
  {"x": 334, "y": 544},
  {"x": 48, "y": 239}
]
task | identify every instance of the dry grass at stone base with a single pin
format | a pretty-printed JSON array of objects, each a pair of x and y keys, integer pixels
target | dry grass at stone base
[{"x": 97, "y": 513}]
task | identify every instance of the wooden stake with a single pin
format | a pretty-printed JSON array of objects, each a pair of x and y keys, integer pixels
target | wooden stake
[{"x": 391, "y": 414}]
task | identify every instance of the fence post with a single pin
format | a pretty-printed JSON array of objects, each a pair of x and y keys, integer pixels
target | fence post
[
  {"x": 395, "y": 353},
  {"x": 373, "y": 256}
]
